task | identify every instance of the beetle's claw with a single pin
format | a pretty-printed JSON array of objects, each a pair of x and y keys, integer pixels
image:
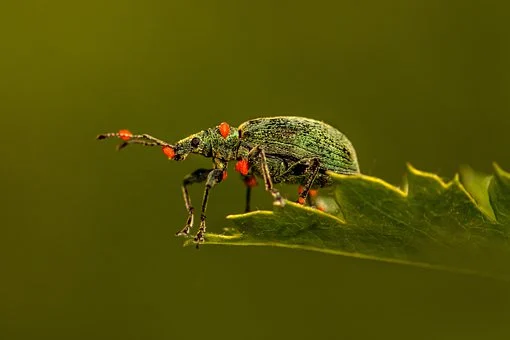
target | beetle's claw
[
  {"x": 199, "y": 238},
  {"x": 278, "y": 199},
  {"x": 184, "y": 231},
  {"x": 189, "y": 224},
  {"x": 279, "y": 202}
]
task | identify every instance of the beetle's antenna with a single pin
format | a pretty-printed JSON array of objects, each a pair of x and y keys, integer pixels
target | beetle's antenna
[
  {"x": 137, "y": 141},
  {"x": 129, "y": 138}
]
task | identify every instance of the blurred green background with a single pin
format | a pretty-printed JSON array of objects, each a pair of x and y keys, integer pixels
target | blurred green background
[{"x": 86, "y": 239}]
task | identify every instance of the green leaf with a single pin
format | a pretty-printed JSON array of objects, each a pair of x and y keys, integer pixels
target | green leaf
[
  {"x": 463, "y": 224},
  {"x": 499, "y": 194}
]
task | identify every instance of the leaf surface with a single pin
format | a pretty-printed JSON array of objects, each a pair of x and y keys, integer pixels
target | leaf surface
[{"x": 463, "y": 224}]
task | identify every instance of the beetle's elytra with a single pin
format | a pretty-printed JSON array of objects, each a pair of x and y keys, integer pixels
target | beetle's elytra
[{"x": 283, "y": 149}]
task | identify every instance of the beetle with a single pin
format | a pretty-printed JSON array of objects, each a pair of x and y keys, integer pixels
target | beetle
[{"x": 283, "y": 149}]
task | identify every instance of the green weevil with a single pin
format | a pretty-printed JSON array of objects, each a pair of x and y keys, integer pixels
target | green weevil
[{"x": 283, "y": 149}]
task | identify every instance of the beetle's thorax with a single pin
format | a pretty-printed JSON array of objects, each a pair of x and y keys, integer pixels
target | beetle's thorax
[
  {"x": 223, "y": 148},
  {"x": 211, "y": 143}
]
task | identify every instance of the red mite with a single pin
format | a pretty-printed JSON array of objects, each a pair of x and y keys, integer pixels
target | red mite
[
  {"x": 125, "y": 135},
  {"x": 242, "y": 167},
  {"x": 224, "y": 129},
  {"x": 311, "y": 192},
  {"x": 169, "y": 152},
  {"x": 250, "y": 181}
]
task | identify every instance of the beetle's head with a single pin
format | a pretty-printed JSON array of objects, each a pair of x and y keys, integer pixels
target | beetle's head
[
  {"x": 217, "y": 142},
  {"x": 198, "y": 143}
]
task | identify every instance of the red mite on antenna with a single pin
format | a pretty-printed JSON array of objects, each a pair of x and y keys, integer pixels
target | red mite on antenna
[{"x": 125, "y": 135}]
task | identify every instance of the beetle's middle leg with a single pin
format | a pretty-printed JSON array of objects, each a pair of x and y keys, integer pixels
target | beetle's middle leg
[
  {"x": 249, "y": 181},
  {"x": 259, "y": 152},
  {"x": 313, "y": 171}
]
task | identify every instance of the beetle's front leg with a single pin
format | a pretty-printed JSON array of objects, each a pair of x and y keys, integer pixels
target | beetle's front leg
[
  {"x": 214, "y": 177},
  {"x": 196, "y": 176}
]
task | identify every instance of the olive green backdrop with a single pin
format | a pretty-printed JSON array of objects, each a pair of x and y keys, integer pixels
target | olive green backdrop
[{"x": 86, "y": 239}]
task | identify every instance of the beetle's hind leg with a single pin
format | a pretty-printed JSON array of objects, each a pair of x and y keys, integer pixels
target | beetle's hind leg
[
  {"x": 197, "y": 176},
  {"x": 313, "y": 171},
  {"x": 259, "y": 152}
]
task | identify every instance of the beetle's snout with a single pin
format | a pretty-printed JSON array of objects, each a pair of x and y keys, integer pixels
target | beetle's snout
[
  {"x": 177, "y": 152},
  {"x": 172, "y": 153},
  {"x": 180, "y": 157}
]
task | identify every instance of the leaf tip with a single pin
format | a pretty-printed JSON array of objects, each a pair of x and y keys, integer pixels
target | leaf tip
[
  {"x": 410, "y": 167},
  {"x": 499, "y": 170},
  {"x": 456, "y": 180},
  {"x": 414, "y": 171}
]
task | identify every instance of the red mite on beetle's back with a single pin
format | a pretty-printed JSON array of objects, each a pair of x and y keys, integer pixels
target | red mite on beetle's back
[{"x": 283, "y": 149}]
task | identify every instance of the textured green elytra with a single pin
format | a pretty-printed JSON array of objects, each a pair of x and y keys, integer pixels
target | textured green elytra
[
  {"x": 285, "y": 149},
  {"x": 289, "y": 141}
]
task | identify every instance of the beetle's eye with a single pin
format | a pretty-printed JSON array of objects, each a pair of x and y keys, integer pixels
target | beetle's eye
[{"x": 195, "y": 142}]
